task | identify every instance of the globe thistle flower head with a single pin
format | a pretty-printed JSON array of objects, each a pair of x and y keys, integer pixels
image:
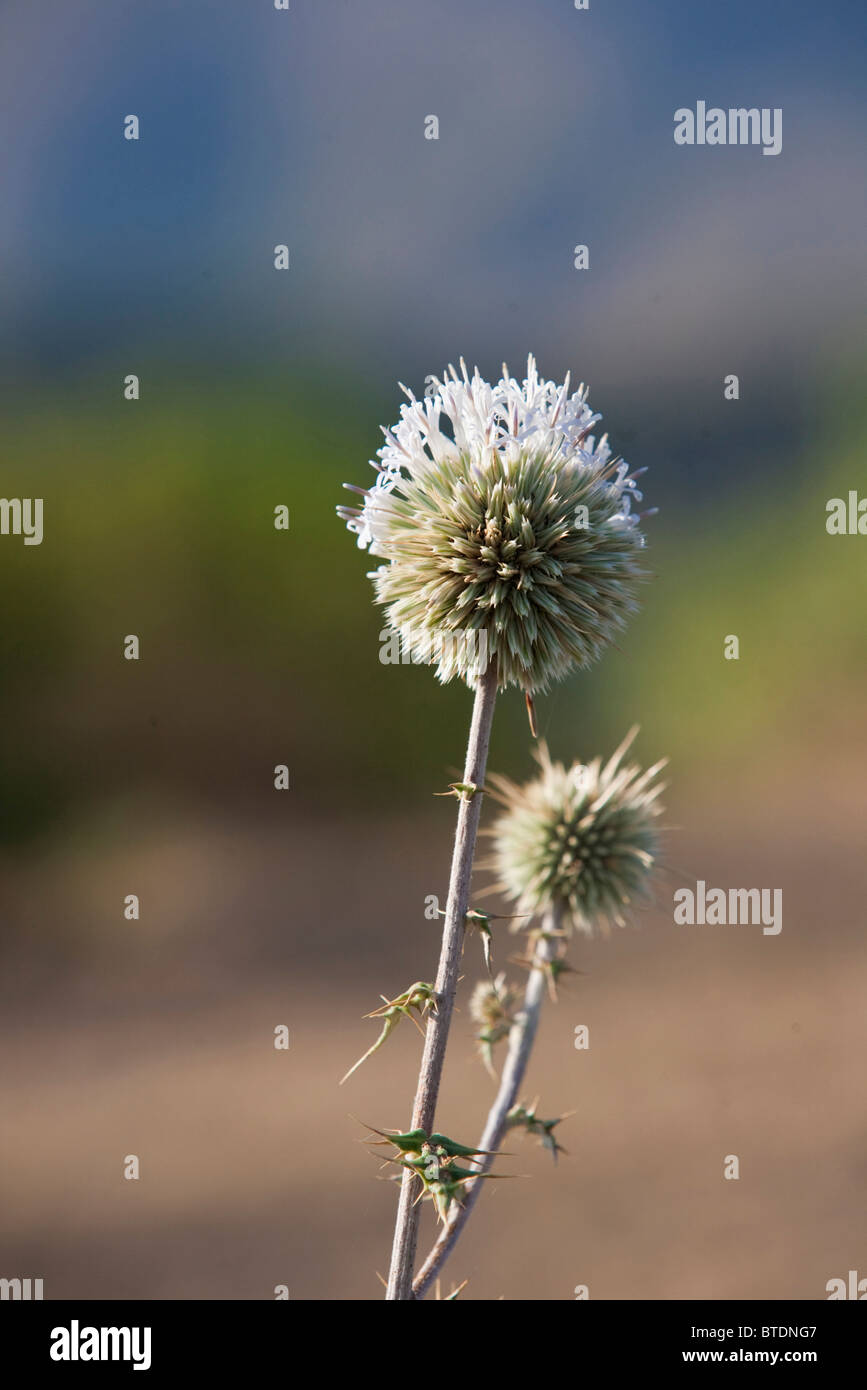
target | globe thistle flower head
[
  {"x": 505, "y": 527},
  {"x": 581, "y": 842},
  {"x": 492, "y": 1002},
  {"x": 492, "y": 1005}
]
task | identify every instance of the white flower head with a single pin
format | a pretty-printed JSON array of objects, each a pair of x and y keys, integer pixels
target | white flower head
[{"x": 496, "y": 510}]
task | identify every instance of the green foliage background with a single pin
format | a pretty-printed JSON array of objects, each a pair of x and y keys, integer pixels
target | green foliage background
[{"x": 260, "y": 646}]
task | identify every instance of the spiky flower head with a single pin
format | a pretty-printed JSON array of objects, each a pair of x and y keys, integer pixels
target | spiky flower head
[
  {"x": 581, "y": 842},
  {"x": 492, "y": 1005},
  {"x": 492, "y": 1002},
  {"x": 505, "y": 527}
]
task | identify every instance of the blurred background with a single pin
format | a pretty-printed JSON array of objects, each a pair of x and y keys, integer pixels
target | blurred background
[{"x": 259, "y": 388}]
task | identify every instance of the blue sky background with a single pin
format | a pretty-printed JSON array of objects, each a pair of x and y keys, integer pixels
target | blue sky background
[{"x": 306, "y": 127}]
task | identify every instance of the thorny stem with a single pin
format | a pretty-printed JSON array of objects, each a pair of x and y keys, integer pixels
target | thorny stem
[
  {"x": 436, "y": 1036},
  {"x": 521, "y": 1039}
]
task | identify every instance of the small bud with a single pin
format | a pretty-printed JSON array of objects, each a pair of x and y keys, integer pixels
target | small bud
[{"x": 491, "y": 1008}]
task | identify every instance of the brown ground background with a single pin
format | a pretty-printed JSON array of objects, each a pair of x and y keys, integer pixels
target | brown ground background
[{"x": 156, "y": 1039}]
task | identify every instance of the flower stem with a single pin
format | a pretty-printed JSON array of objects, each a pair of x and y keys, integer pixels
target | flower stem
[
  {"x": 436, "y": 1035},
  {"x": 521, "y": 1039}
]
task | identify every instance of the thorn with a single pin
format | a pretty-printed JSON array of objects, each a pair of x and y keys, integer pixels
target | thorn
[
  {"x": 464, "y": 791},
  {"x": 387, "y": 1028},
  {"x": 487, "y": 937},
  {"x": 531, "y": 713}
]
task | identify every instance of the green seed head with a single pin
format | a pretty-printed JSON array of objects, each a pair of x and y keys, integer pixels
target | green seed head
[{"x": 582, "y": 841}]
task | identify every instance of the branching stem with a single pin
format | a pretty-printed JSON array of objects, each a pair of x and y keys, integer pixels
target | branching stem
[
  {"x": 521, "y": 1039},
  {"x": 436, "y": 1037}
]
